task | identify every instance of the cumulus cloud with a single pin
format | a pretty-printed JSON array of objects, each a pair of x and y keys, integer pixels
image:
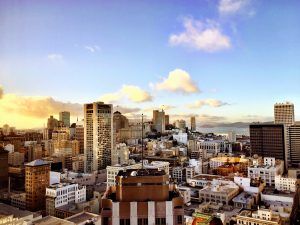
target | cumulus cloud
[
  {"x": 130, "y": 92},
  {"x": 92, "y": 48},
  {"x": 207, "y": 102},
  {"x": 55, "y": 57},
  {"x": 201, "y": 35},
  {"x": 1, "y": 92},
  {"x": 39, "y": 107},
  {"x": 230, "y": 7},
  {"x": 178, "y": 81}
]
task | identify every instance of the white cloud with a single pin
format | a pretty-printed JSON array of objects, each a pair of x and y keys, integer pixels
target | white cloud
[
  {"x": 230, "y": 7},
  {"x": 111, "y": 97},
  {"x": 178, "y": 81},
  {"x": 207, "y": 102},
  {"x": 92, "y": 48},
  {"x": 201, "y": 35},
  {"x": 135, "y": 93},
  {"x": 130, "y": 92},
  {"x": 55, "y": 57},
  {"x": 36, "y": 106}
]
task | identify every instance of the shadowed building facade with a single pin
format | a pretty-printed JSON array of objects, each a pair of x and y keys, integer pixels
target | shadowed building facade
[
  {"x": 142, "y": 197},
  {"x": 268, "y": 140},
  {"x": 37, "y": 178}
]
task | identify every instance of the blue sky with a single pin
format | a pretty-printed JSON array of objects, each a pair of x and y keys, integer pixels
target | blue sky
[{"x": 242, "y": 56}]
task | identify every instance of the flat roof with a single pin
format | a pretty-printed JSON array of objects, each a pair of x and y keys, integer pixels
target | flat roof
[{"x": 82, "y": 217}]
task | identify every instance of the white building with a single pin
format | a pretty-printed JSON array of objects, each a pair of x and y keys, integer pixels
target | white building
[
  {"x": 285, "y": 183},
  {"x": 231, "y": 136},
  {"x": 84, "y": 179},
  {"x": 120, "y": 154},
  {"x": 112, "y": 172},
  {"x": 65, "y": 193},
  {"x": 246, "y": 184},
  {"x": 181, "y": 138},
  {"x": 267, "y": 171},
  {"x": 98, "y": 135},
  {"x": 259, "y": 217},
  {"x": 185, "y": 192},
  {"x": 178, "y": 173},
  {"x": 160, "y": 165}
]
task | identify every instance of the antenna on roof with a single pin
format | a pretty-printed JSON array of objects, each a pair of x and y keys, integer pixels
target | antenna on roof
[{"x": 142, "y": 141}]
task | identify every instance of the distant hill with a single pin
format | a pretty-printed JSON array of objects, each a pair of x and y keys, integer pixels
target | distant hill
[{"x": 235, "y": 124}]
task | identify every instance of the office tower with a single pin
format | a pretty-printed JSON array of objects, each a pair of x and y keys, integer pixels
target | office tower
[
  {"x": 52, "y": 123},
  {"x": 193, "y": 123},
  {"x": 167, "y": 119},
  {"x": 231, "y": 136},
  {"x": 65, "y": 118},
  {"x": 284, "y": 114},
  {"x": 37, "y": 176},
  {"x": 294, "y": 138},
  {"x": 98, "y": 135},
  {"x": 79, "y": 136},
  {"x": 142, "y": 196},
  {"x": 180, "y": 124},
  {"x": 120, "y": 121},
  {"x": 3, "y": 168},
  {"x": 159, "y": 121},
  {"x": 268, "y": 140}
]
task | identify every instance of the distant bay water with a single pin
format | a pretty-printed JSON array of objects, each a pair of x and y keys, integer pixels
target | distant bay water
[{"x": 224, "y": 130}]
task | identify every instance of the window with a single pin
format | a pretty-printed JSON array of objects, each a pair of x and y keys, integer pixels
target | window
[
  {"x": 179, "y": 219},
  {"x": 105, "y": 221}
]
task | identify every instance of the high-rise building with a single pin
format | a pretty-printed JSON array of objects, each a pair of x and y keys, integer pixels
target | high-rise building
[
  {"x": 3, "y": 168},
  {"x": 120, "y": 121},
  {"x": 284, "y": 113},
  {"x": 268, "y": 140},
  {"x": 167, "y": 119},
  {"x": 65, "y": 118},
  {"x": 294, "y": 138},
  {"x": 52, "y": 123},
  {"x": 37, "y": 178},
  {"x": 79, "y": 136},
  {"x": 142, "y": 196},
  {"x": 193, "y": 123},
  {"x": 98, "y": 135},
  {"x": 180, "y": 124},
  {"x": 158, "y": 120}
]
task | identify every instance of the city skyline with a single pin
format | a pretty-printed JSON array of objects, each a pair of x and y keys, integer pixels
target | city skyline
[{"x": 224, "y": 61}]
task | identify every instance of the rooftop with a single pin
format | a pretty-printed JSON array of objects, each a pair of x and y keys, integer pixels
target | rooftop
[
  {"x": 37, "y": 162},
  {"x": 7, "y": 210},
  {"x": 83, "y": 217},
  {"x": 141, "y": 172},
  {"x": 50, "y": 220}
]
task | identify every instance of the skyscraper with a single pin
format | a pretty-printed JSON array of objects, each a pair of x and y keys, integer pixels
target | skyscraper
[
  {"x": 3, "y": 168},
  {"x": 159, "y": 121},
  {"x": 120, "y": 121},
  {"x": 268, "y": 140},
  {"x": 142, "y": 197},
  {"x": 284, "y": 114},
  {"x": 98, "y": 135},
  {"x": 37, "y": 178},
  {"x": 65, "y": 118},
  {"x": 193, "y": 123},
  {"x": 294, "y": 138},
  {"x": 167, "y": 119}
]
